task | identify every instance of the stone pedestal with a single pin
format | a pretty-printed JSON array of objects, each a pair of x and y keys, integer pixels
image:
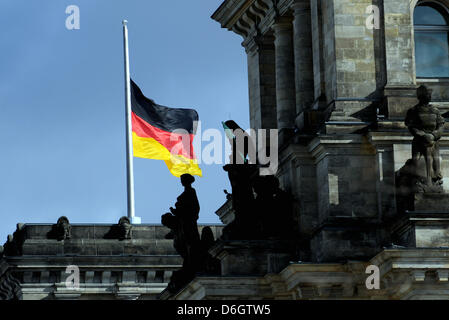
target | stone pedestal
[
  {"x": 226, "y": 212},
  {"x": 423, "y": 230},
  {"x": 432, "y": 202},
  {"x": 251, "y": 258},
  {"x": 342, "y": 239},
  {"x": 310, "y": 121},
  {"x": 399, "y": 99}
]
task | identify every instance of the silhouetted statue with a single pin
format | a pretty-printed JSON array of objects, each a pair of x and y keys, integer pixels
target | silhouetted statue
[
  {"x": 228, "y": 195},
  {"x": 124, "y": 228},
  {"x": 10, "y": 247},
  {"x": 240, "y": 176},
  {"x": 241, "y": 170},
  {"x": 273, "y": 207},
  {"x": 186, "y": 213},
  {"x": 182, "y": 220},
  {"x": 210, "y": 265},
  {"x": 267, "y": 216},
  {"x": 63, "y": 229},
  {"x": 243, "y": 145},
  {"x": 426, "y": 125},
  {"x": 14, "y": 243}
]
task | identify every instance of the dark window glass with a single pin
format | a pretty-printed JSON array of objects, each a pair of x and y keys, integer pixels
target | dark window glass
[
  {"x": 431, "y": 41},
  {"x": 429, "y": 15},
  {"x": 432, "y": 54}
]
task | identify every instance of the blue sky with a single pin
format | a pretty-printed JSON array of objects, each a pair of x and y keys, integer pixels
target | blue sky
[{"x": 62, "y": 125}]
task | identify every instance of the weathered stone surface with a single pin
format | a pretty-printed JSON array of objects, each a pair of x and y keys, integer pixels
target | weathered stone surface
[
  {"x": 347, "y": 89},
  {"x": 9, "y": 286},
  {"x": 423, "y": 230},
  {"x": 341, "y": 163},
  {"x": 256, "y": 257},
  {"x": 347, "y": 239},
  {"x": 285, "y": 73},
  {"x": 432, "y": 202},
  {"x": 262, "y": 82},
  {"x": 303, "y": 54},
  {"x": 110, "y": 268},
  {"x": 404, "y": 274}
]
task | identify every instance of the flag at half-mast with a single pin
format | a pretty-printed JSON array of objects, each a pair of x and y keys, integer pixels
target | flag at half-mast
[{"x": 163, "y": 133}]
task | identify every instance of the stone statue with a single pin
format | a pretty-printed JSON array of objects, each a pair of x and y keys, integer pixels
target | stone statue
[
  {"x": 209, "y": 264},
  {"x": 240, "y": 176},
  {"x": 269, "y": 215},
  {"x": 228, "y": 195},
  {"x": 186, "y": 213},
  {"x": 10, "y": 247},
  {"x": 182, "y": 220},
  {"x": 124, "y": 228},
  {"x": 426, "y": 124},
  {"x": 241, "y": 170},
  {"x": 14, "y": 242},
  {"x": 242, "y": 153},
  {"x": 421, "y": 175},
  {"x": 273, "y": 207},
  {"x": 63, "y": 229}
]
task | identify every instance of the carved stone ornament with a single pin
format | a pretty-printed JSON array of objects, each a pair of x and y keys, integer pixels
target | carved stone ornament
[
  {"x": 124, "y": 228},
  {"x": 63, "y": 229}
]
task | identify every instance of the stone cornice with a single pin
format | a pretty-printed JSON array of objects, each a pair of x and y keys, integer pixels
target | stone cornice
[
  {"x": 231, "y": 11},
  {"x": 390, "y": 138},
  {"x": 250, "y": 18},
  {"x": 324, "y": 145},
  {"x": 218, "y": 287},
  {"x": 402, "y": 272},
  {"x": 321, "y": 146}
]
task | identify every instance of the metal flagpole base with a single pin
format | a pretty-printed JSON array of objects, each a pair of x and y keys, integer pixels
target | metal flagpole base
[{"x": 136, "y": 220}]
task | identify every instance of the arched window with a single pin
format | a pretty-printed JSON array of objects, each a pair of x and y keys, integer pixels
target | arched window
[{"x": 431, "y": 40}]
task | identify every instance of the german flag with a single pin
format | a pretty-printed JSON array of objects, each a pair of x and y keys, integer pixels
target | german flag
[{"x": 164, "y": 133}]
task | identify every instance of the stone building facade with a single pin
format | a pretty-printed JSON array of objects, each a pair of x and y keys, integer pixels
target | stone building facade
[
  {"x": 338, "y": 91},
  {"x": 336, "y": 78},
  {"x": 36, "y": 264}
]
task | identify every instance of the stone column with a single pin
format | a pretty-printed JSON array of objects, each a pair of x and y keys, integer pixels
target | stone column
[
  {"x": 261, "y": 82},
  {"x": 400, "y": 90},
  {"x": 285, "y": 73},
  {"x": 302, "y": 31}
]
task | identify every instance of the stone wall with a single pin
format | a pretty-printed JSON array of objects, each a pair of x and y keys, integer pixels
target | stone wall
[
  {"x": 350, "y": 138},
  {"x": 110, "y": 268},
  {"x": 404, "y": 275}
]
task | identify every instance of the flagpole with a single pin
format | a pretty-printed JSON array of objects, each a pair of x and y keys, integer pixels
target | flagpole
[{"x": 129, "y": 142}]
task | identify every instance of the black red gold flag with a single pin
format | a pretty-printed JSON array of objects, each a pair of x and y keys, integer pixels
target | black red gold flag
[{"x": 164, "y": 133}]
